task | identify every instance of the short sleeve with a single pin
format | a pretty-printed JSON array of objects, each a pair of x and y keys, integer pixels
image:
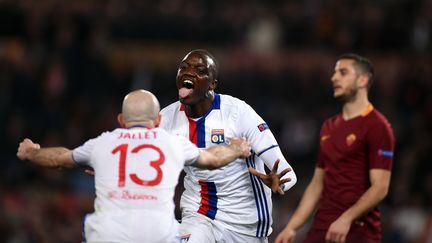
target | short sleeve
[
  {"x": 190, "y": 151},
  {"x": 81, "y": 155},
  {"x": 381, "y": 143}
]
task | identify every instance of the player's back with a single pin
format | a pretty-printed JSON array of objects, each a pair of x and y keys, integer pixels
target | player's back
[{"x": 136, "y": 171}]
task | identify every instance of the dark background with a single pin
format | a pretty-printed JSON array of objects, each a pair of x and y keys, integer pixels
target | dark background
[{"x": 66, "y": 65}]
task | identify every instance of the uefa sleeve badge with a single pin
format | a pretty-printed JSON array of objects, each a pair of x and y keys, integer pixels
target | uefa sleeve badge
[{"x": 262, "y": 127}]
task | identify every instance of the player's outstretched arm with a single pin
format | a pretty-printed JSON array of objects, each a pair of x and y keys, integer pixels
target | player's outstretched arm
[
  {"x": 281, "y": 177},
  {"x": 307, "y": 205},
  {"x": 273, "y": 179},
  {"x": 220, "y": 155},
  {"x": 53, "y": 157}
]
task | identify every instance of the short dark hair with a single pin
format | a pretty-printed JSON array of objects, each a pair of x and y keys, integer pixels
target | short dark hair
[
  {"x": 361, "y": 64},
  {"x": 215, "y": 68}
]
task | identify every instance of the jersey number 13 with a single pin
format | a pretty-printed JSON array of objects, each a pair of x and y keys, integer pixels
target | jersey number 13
[{"x": 156, "y": 164}]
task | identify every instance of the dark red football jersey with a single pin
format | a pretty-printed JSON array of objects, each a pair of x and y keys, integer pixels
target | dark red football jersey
[{"x": 348, "y": 150}]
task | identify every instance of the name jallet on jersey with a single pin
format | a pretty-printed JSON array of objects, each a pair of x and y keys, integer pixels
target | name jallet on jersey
[{"x": 141, "y": 135}]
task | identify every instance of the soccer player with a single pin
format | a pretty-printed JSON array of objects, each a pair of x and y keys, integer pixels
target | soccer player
[
  {"x": 136, "y": 170},
  {"x": 352, "y": 174},
  {"x": 229, "y": 204}
]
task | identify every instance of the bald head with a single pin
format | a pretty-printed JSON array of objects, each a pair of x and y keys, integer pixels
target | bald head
[{"x": 139, "y": 107}]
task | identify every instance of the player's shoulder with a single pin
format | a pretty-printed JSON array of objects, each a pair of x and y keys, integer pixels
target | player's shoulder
[
  {"x": 229, "y": 99},
  {"x": 106, "y": 136},
  {"x": 162, "y": 134},
  {"x": 231, "y": 102},
  {"x": 233, "y": 107},
  {"x": 333, "y": 119},
  {"x": 109, "y": 133},
  {"x": 375, "y": 117},
  {"x": 332, "y": 122},
  {"x": 174, "y": 139},
  {"x": 169, "y": 109}
]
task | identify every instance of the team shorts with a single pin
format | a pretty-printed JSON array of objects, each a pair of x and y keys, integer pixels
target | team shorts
[
  {"x": 197, "y": 228},
  {"x": 131, "y": 226}
]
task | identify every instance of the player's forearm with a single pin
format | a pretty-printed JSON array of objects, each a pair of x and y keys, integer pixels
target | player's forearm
[
  {"x": 380, "y": 182},
  {"x": 307, "y": 206},
  {"x": 49, "y": 157},
  {"x": 222, "y": 155},
  {"x": 369, "y": 200},
  {"x": 291, "y": 174},
  {"x": 270, "y": 157}
]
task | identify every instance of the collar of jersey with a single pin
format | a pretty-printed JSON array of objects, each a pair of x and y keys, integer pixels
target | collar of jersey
[
  {"x": 138, "y": 126},
  {"x": 215, "y": 106},
  {"x": 368, "y": 110}
]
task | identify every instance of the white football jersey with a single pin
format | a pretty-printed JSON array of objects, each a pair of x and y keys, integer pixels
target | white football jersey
[
  {"x": 136, "y": 172},
  {"x": 229, "y": 195}
]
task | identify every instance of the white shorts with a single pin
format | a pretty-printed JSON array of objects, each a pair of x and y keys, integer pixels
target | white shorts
[
  {"x": 197, "y": 228},
  {"x": 131, "y": 226}
]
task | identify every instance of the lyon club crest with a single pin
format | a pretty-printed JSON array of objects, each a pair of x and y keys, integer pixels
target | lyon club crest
[{"x": 217, "y": 136}]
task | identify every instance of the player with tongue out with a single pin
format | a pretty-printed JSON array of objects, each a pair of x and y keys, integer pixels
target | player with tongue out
[
  {"x": 187, "y": 88},
  {"x": 196, "y": 81},
  {"x": 231, "y": 204}
]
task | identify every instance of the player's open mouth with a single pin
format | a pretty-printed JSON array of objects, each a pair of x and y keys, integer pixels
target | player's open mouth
[
  {"x": 188, "y": 84},
  {"x": 187, "y": 89}
]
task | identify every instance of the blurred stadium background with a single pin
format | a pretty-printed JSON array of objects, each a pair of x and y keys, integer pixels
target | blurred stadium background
[{"x": 65, "y": 66}]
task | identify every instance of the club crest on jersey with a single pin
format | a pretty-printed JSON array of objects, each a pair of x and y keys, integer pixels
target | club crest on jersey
[
  {"x": 262, "y": 127},
  {"x": 217, "y": 136},
  {"x": 350, "y": 139},
  {"x": 324, "y": 137}
]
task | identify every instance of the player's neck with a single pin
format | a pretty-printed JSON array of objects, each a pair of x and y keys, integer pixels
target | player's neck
[
  {"x": 141, "y": 125},
  {"x": 199, "y": 109},
  {"x": 355, "y": 107}
]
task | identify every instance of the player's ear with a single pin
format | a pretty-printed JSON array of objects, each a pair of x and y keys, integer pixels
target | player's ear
[
  {"x": 213, "y": 84},
  {"x": 363, "y": 81},
  {"x": 121, "y": 121},
  {"x": 157, "y": 121}
]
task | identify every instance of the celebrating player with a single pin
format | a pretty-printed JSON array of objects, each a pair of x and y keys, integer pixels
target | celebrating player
[
  {"x": 230, "y": 204},
  {"x": 136, "y": 170},
  {"x": 353, "y": 170}
]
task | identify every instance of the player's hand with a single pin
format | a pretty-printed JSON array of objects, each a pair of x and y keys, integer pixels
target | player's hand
[
  {"x": 338, "y": 230},
  {"x": 25, "y": 147},
  {"x": 286, "y": 236},
  {"x": 242, "y": 146},
  {"x": 273, "y": 179}
]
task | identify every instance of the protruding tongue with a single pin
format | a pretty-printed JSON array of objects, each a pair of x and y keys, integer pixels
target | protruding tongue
[{"x": 184, "y": 92}]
